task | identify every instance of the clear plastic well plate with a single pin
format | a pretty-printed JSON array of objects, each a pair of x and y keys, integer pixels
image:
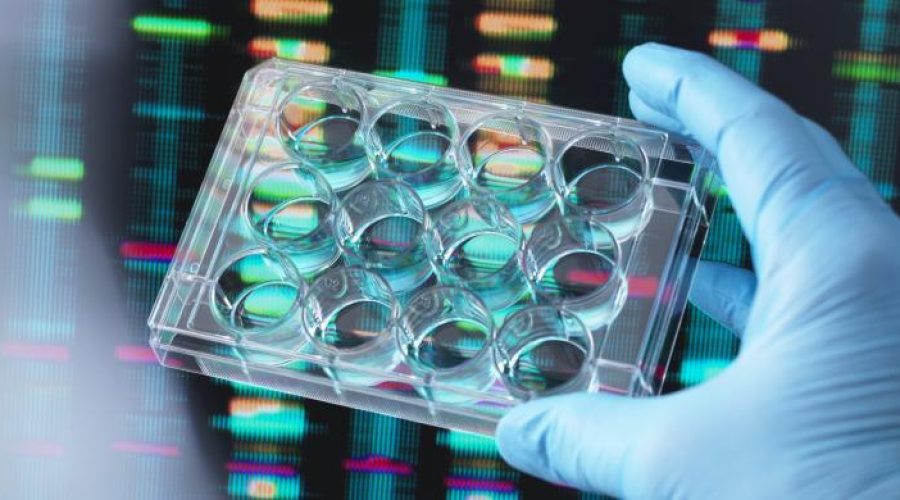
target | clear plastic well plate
[{"x": 429, "y": 253}]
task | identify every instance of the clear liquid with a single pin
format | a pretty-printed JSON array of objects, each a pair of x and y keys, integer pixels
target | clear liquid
[
  {"x": 575, "y": 275},
  {"x": 322, "y": 132},
  {"x": 508, "y": 168},
  {"x": 261, "y": 306},
  {"x": 354, "y": 325},
  {"x": 394, "y": 247},
  {"x": 300, "y": 226},
  {"x": 545, "y": 365},
  {"x": 450, "y": 344},
  {"x": 421, "y": 160},
  {"x": 417, "y": 153},
  {"x": 392, "y": 241},
  {"x": 291, "y": 220},
  {"x": 612, "y": 194},
  {"x": 604, "y": 187},
  {"x": 254, "y": 292},
  {"x": 509, "y": 174},
  {"x": 481, "y": 256},
  {"x": 329, "y": 141},
  {"x": 486, "y": 264}
]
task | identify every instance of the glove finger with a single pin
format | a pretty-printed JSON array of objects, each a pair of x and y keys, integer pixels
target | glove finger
[
  {"x": 588, "y": 441},
  {"x": 772, "y": 167},
  {"x": 724, "y": 292},
  {"x": 645, "y": 113}
]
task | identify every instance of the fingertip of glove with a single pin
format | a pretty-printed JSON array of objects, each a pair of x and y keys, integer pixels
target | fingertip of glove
[
  {"x": 643, "y": 50},
  {"x": 519, "y": 436},
  {"x": 641, "y": 63}
]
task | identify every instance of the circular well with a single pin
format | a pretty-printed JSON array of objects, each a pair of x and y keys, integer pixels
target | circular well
[
  {"x": 507, "y": 156},
  {"x": 380, "y": 226},
  {"x": 413, "y": 140},
  {"x": 320, "y": 125},
  {"x": 255, "y": 294},
  {"x": 349, "y": 312},
  {"x": 542, "y": 350},
  {"x": 604, "y": 175},
  {"x": 290, "y": 207}
]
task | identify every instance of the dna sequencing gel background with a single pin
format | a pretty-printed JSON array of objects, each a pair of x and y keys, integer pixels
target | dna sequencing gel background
[{"x": 109, "y": 113}]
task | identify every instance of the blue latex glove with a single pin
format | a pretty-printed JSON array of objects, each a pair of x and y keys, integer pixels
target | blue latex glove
[{"x": 811, "y": 406}]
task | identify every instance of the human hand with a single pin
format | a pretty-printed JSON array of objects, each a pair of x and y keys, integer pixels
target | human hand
[{"x": 811, "y": 405}]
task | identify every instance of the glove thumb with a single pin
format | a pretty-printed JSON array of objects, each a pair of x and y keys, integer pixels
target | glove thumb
[{"x": 587, "y": 441}]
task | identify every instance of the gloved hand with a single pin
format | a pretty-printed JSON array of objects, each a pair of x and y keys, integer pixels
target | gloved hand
[{"x": 811, "y": 406}]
